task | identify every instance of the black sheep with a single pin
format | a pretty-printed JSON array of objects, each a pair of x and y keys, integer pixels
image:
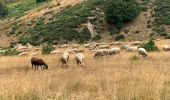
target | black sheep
[{"x": 38, "y": 62}]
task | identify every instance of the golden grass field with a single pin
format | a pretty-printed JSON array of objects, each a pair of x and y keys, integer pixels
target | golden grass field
[{"x": 121, "y": 77}]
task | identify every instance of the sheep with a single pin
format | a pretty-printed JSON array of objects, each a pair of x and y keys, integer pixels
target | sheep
[
  {"x": 131, "y": 49},
  {"x": 137, "y": 43},
  {"x": 125, "y": 46},
  {"x": 166, "y": 48},
  {"x": 114, "y": 51},
  {"x": 23, "y": 54},
  {"x": 75, "y": 50},
  {"x": 65, "y": 58},
  {"x": 116, "y": 43},
  {"x": 79, "y": 59},
  {"x": 63, "y": 46},
  {"x": 54, "y": 52},
  {"x": 100, "y": 53},
  {"x": 34, "y": 54},
  {"x": 87, "y": 45},
  {"x": 38, "y": 62},
  {"x": 80, "y": 50},
  {"x": 142, "y": 52},
  {"x": 104, "y": 47},
  {"x": 75, "y": 46}
]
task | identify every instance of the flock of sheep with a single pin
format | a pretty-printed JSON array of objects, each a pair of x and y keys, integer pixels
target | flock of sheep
[{"x": 99, "y": 50}]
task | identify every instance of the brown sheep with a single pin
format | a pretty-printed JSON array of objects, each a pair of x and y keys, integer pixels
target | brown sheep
[{"x": 38, "y": 62}]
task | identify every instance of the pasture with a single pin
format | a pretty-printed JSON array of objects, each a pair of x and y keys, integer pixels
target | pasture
[{"x": 122, "y": 77}]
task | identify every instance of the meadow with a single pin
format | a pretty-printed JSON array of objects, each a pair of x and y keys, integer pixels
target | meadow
[{"x": 121, "y": 77}]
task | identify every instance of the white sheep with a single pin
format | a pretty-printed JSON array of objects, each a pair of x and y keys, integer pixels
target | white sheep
[
  {"x": 132, "y": 49},
  {"x": 113, "y": 51},
  {"x": 100, "y": 53},
  {"x": 125, "y": 46},
  {"x": 23, "y": 54},
  {"x": 142, "y": 52},
  {"x": 166, "y": 48},
  {"x": 54, "y": 52},
  {"x": 79, "y": 59},
  {"x": 65, "y": 58}
]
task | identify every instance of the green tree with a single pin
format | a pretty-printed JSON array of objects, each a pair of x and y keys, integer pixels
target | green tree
[
  {"x": 38, "y": 1},
  {"x": 3, "y": 10},
  {"x": 119, "y": 12}
]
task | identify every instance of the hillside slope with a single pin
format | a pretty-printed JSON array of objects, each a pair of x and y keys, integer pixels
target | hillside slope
[{"x": 43, "y": 23}]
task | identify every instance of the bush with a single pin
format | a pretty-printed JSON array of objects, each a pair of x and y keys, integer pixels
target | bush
[
  {"x": 24, "y": 40},
  {"x": 149, "y": 46},
  {"x": 114, "y": 31},
  {"x": 85, "y": 35},
  {"x": 151, "y": 34},
  {"x": 164, "y": 34},
  {"x": 134, "y": 58},
  {"x": 3, "y": 10},
  {"x": 121, "y": 11},
  {"x": 10, "y": 52},
  {"x": 119, "y": 37},
  {"x": 96, "y": 38},
  {"x": 47, "y": 48},
  {"x": 38, "y": 1}
]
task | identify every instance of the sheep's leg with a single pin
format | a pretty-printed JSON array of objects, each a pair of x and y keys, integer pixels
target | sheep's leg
[
  {"x": 37, "y": 67},
  {"x": 32, "y": 66}
]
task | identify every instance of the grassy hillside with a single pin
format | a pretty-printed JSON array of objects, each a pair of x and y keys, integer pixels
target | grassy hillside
[{"x": 62, "y": 21}]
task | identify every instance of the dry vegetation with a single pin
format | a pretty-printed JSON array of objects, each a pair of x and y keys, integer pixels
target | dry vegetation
[{"x": 121, "y": 77}]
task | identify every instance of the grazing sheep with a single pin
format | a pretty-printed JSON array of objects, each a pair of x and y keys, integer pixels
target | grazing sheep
[
  {"x": 79, "y": 59},
  {"x": 54, "y": 52},
  {"x": 114, "y": 51},
  {"x": 131, "y": 49},
  {"x": 69, "y": 51},
  {"x": 142, "y": 52},
  {"x": 125, "y": 46},
  {"x": 87, "y": 45},
  {"x": 103, "y": 43},
  {"x": 23, "y": 54},
  {"x": 100, "y": 53},
  {"x": 35, "y": 54},
  {"x": 137, "y": 43},
  {"x": 104, "y": 47},
  {"x": 63, "y": 46},
  {"x": 38, "y": 62},
  {"x": 116, "y": 43},
  {"x": 65, "y": 58},
  {"x": 75, "y": 50},
  {"x": 166, "y": 48},
  {"x": 80, "y": 50},
  {"x": 75, "y": 46}
]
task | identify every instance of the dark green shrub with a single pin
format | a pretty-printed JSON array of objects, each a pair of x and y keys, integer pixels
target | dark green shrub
[
  {"x": 114, "y": 31},
  {"x": 164, "y": 34},
  {"x": 85, "y": 35},
  {"x": 119, "y": 37},
  {"x": 3, "y": 10},
  {"x": 47, "y": 48},
  {"x": 121, "y": 11},
  {"x": 149, "y": 46},
  {"x": 38, "y": 1},
  {"x": 151, "y": 34},
  {"x": 24, "y": 40},
  {"x": 126, "y": 31},
  {"x": 96, "y": 38},
  {"x": 10, "y": 52}
]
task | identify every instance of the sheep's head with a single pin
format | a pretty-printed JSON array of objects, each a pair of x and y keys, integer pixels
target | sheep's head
[{"x": 46, "y": 66}]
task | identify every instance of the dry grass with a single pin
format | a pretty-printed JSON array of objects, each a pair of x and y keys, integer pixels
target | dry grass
[{"x": 117, "y": 78}]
